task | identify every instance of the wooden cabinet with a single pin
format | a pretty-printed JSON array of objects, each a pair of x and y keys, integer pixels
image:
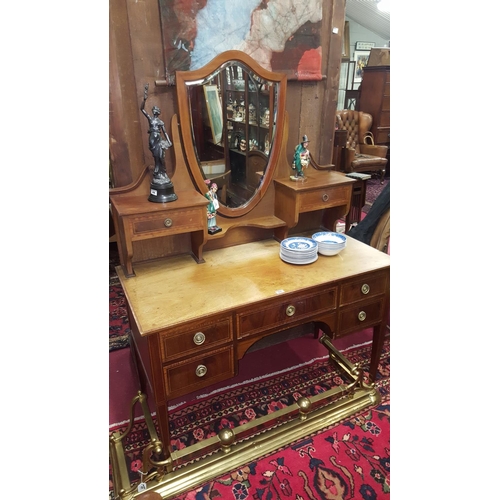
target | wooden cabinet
[
  {"x": 329, "y": 192},
  {"x": 374, "y": 98},
  {"x": 137, "y": 219}
]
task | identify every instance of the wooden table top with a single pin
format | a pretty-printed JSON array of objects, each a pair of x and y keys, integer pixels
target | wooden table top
[
  {"x": 171, "y": 291},
  {"x": 316, "y": 179}
]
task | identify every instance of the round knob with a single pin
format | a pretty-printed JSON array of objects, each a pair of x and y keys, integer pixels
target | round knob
[
  {"x": 365, "y": 289},
  {"x": 362, "y": 316},
  {"x": 290, "y": 310},
  {"x": 168, "y": 222},
  {"x": 201, "y": 370},
  {"x": 325, "y": 197},
  {"x": 199, "y": 338}
]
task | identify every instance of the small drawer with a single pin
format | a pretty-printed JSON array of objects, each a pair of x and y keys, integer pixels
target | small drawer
[
  {"x": 169, "y": 222},
  {"x": 182, "y": 378},
  {"x": 191, "y": 342},
  {"x": 369, "y": 286},
  {"x": 282, "y": 313},
  {"x": 360, "y": 317},
  {"x": 324, "y": 198}
]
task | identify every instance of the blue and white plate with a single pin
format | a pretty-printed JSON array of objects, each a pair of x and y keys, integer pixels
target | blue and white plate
[
  {"x": 299, "y": 244},
  {"x": 291, "y": 260}
]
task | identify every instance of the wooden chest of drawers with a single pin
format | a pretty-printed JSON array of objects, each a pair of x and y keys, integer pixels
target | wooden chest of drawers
[
  {"x": 137, "y": 219},
  {"x": 374, "y": 98}
]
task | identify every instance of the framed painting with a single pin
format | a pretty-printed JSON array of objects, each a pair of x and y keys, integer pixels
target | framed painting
[
  {"x": 279, "y": 39},
  {"x": 361, "y": 60},
  {"x": 214, "y": 109}
]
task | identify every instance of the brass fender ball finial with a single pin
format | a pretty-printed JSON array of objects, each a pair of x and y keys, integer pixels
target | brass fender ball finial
[
  {"x": 305, "y": 407},
  {"x": 226, "y": 437}
]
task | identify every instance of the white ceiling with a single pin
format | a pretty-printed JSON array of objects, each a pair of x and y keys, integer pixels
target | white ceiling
[{"x": 366, "y": 13}]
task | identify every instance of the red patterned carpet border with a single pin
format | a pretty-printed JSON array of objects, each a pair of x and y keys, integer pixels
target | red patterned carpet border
[{"x": 348, "y": 461}]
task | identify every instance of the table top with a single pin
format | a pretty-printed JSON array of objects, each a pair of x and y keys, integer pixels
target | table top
[
  {"x": 172, "y": 291},
  {"x": 136, "y": 204},
  {"x": 315, "y": 179}
]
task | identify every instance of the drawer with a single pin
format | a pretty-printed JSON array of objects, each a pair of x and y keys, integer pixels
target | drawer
[
  {"x": 366, "y": 288},
  {"x": 387, "y": 89},
  {"x": 360, "y": 317},
  {"x": 282, "y": 313},
  {"x": 196, "y": 373},
  {"x": 196, "y": 338},
  {"x": 169, "y": 222},
  {"x": 326, "y": 197}
]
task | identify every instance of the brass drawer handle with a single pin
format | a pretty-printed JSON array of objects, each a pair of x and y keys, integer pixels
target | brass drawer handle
[
  {"x": 201, "y": 370},
  {"x": 325, "y": 197},
  {"x": 168, "y": 222},
  {"x": 199, "y": 338},
  {"x": 290, "y": 310},
  {"x": 362, "y": 316},
  {"x": 365, "y": 289}
]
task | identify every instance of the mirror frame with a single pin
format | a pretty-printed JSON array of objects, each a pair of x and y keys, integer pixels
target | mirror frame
[{"x": 183, "y": 78}]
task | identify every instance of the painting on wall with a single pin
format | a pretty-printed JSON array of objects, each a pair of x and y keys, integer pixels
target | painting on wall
[
  {"x": 278, "y": 37},
  {"x": 361, "y": 60},
  {"x": 214, "y": 108}
]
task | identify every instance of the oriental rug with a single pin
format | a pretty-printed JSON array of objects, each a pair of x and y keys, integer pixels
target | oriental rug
[
  {"x": 118, "y": 319},
  {"x": 350, "y": 460},
  {"x": 373, "y": 189}
]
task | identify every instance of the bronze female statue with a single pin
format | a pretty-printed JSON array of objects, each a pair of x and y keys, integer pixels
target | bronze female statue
[
  {"x": 157, "y": 144},
  {"x": 162, "y": 189}
]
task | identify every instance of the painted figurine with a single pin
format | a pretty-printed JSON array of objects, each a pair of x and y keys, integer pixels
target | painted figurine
[
  {"x": 212, "y": 207},
  {"x": 301, "y": 159}
]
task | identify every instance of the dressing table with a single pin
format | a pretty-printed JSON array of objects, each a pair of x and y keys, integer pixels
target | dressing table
[{"x": 192, "y": 320}]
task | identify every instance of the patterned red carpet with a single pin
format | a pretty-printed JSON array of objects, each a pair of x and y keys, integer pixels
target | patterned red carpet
[
  {"x": 348, "y": 461},
  {"x": 118, "y": 319}
]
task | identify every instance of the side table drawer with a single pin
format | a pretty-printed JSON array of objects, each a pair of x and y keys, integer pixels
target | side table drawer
[
  {"x": 326, "y": 197},
  {"x": 281, "y": 313},
  {"x": 197, "y": 338},
  {"x": 169, "y": 222},
  {"x": 182, "y": 378},
  {"x": 369, "y": 286},
  {"x": 359, "y": 317}
]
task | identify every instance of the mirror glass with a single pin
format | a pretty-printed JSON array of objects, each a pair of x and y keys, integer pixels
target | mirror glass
[{"x": 233, "y": 120}]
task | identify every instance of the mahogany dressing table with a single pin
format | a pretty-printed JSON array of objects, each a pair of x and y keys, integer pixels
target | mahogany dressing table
[{"x": 192, "y": 320}]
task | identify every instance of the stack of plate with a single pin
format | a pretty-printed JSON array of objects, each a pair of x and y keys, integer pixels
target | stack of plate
[
  {"x": 329, "y": 243},
  {"x": 299, "y": 250}
]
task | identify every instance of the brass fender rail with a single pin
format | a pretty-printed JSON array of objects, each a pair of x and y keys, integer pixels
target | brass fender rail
[{"x": 232, "y": 448}]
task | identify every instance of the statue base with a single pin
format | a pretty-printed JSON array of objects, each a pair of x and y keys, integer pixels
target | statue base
[
  {"x": 162, "y": 193},
  {"x": 214, "y": 230},
  {"x": 298, "y": 178}
]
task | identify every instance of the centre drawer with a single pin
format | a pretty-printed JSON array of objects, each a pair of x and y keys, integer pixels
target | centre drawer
[
  {"x": 290, "y": 310},
  {"x": 196, "y": 338},
  {"x": 326, "y": 197},
  {"x": 196, "y": 373},
  {"x": 169, "y": 222}
]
